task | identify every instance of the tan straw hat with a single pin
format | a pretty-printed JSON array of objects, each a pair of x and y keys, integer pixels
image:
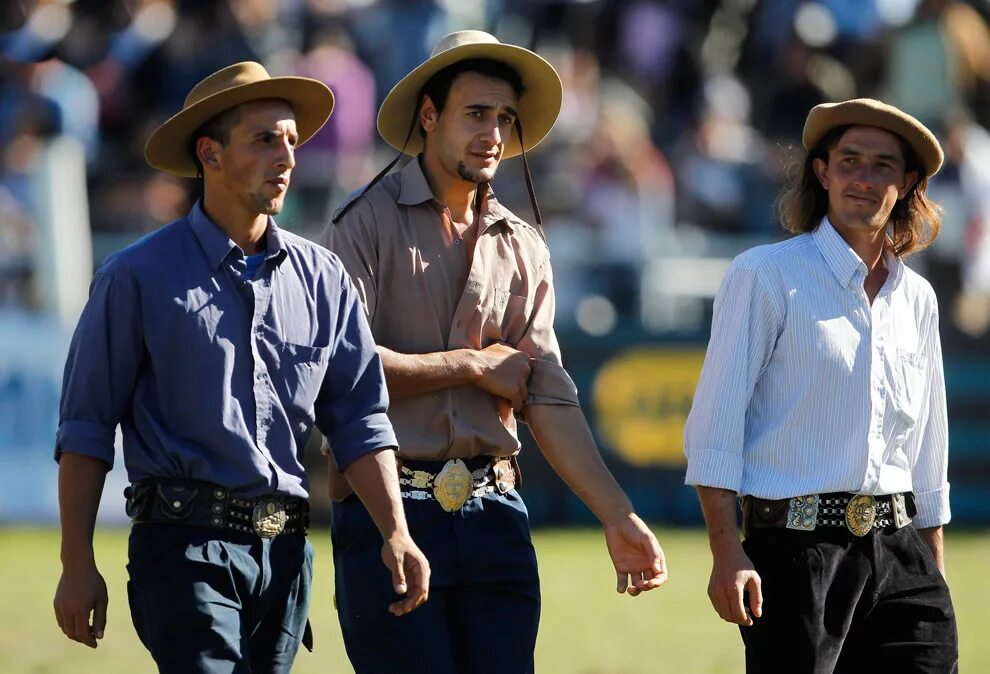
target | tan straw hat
[
  {"x": 538, "y": 107},
  {"x": 869, "y": 112},
  {"x": 311, "y": 101}
]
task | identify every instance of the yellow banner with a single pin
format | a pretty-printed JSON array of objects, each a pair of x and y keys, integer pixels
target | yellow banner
[{"x": 642, "y": 398}]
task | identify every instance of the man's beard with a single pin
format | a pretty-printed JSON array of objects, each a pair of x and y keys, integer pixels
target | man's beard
[
  {"x": 466, "y": 174},
  {"x": 267, "y": 206}
]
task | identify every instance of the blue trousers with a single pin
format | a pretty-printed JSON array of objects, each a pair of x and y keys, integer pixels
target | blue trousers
[
  {"x": 214, "y": 602},
  {"x": 484, "y": 607}
]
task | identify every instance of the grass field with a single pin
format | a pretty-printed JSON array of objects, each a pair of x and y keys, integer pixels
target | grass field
[{"x": 586, "y": 628}]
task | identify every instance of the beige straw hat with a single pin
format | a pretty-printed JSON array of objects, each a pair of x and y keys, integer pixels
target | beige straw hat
[
  {"x": 538, "y": 107},
  {"x": 870, "y": 112},
  {"x": 311, "y": 101}
]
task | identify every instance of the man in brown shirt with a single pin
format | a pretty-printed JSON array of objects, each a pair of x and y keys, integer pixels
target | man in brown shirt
[{"x": 459, "y": 294}]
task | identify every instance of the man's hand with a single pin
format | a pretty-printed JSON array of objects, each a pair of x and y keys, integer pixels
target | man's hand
[
  {"x": 410, "y": 573},
  {"x": 732, "y": 574},
  {"x": 504, "y": 372},
  {"x": 638, "y": 558},
  {"x": 82, "y": 591}
]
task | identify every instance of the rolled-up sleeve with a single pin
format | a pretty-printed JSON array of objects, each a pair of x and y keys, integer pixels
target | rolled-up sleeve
[
  {"x": 931, "y": 441},
  {"x": 102, "y": 366},
  {"x": 351, "y": 408},
  {"x": 549, "y": 383},
  {"x": 745, "y": 325}
]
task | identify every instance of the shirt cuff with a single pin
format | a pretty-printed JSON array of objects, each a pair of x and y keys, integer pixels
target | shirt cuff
[
  {"x": 933, "y": 508},
  {"x": 87, "y": 438},
  {"x": 360, "y": 437},
  {"x": 549, "y": 384},
  {"x": 714, "y": 468}
]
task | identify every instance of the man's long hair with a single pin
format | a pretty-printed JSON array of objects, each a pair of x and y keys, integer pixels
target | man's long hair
[{"x": 803, "y": 202}]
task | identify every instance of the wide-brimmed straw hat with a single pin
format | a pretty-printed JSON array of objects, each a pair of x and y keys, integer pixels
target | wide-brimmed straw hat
[
  {"x": 870, "y": 112},
  {"x": 538, "y": 106},
  {"x": 310, "y": 100}
]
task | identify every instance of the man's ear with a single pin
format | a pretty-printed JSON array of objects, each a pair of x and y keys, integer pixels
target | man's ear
[
  {"x": 428, "y": 114},
  {"x": 208, "y": 151},
  {"x": 820, "y": 167},
  {"x": 910, "y": 179}
]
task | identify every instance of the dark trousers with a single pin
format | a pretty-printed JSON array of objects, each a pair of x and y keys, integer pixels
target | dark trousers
[
  {"x": 834, "y": 603},
  {"x": 484, "y": 607},
  {"x": 211, "y": 602}
]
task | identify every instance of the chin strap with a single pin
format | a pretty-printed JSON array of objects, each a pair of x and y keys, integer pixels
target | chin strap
[
  {"x": 529, "y": 183},
  {"x": 383, "y": 172}
]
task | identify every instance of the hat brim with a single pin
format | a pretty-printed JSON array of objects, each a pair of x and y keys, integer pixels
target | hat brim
[
  {"x": 538, "y": 106},
  {"x": 869, "y": 112},
  {"x": 311, "y": 102}
]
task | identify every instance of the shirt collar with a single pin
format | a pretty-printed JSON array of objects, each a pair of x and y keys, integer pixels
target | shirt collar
[
  {"x": 414, "y": 190},
  {"x": 843, "y": 260},
  {"x": 217, "y": 245}
]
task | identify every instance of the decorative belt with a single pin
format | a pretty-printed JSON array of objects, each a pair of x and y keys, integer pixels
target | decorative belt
[
  {"x": 454, "y": 483},
  {"x": 859, "y": 513},
  {"x": 210, "y": 505}
]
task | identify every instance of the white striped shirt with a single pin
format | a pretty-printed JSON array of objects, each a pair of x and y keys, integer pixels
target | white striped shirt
[{"x": 807, "y": 388}]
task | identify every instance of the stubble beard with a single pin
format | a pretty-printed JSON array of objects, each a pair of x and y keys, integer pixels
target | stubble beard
[
  {"x": 267, "y": 206},
  {"x": 474, "y": 177}
]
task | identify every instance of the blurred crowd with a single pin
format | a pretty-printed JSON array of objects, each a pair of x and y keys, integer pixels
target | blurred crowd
[{"x": 679, "y": 118}]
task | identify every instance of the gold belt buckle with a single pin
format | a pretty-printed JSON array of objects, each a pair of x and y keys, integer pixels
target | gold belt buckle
[
  {"x": 861, "y": 513},
  {"x": 268, "y": 518},
  {"x": 452, "y": 485}
]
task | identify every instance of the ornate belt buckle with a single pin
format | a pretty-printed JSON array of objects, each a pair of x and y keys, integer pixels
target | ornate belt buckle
[
  {"x": 802, "y": 513},
  {"x": 452, "y": 485},
  {"x": 268, "y": 518},
  {"x": 505, "y": 476},
  {"x": 861, "y": 513}
]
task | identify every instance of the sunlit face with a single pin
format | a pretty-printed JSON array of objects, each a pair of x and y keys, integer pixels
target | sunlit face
[
  {"x": 255, "y": 165},
  {"x": 865, "y": 176},
  {"x": 469, "y": 135}
]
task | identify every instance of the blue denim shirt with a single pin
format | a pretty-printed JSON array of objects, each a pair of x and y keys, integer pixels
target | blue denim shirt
[{"x": 215, "y": 377}]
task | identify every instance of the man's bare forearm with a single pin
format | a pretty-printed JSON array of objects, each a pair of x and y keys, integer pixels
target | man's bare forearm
[
  {"x": 80, "y": 486},
  {"x": 563, "y": 435},
  {"x": 374, "y": 478},
  {"x": 934, "y": 539},
  {"x": 408, "y": 375},
  {"x": 719, "y": 508}
]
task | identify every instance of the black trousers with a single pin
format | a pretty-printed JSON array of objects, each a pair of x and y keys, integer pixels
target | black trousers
[{"x": 834, "y": 603}]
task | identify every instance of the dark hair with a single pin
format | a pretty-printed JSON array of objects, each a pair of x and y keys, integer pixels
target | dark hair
[
  {"x": 215, "y": 128},
  {"x": 438, "y": 89},
  {"x": 803, "y": 202},
  {"x": 438, "y": 86}
]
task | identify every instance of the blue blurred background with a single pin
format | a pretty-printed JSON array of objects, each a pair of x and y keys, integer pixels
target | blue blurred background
[{"x": 679, "y": 117}]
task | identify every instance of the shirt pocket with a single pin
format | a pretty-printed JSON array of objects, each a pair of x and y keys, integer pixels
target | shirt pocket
[
  {"x": 510, "y": 316},
  {"x": 909, "y": 391},
  {"x": 301, "y": 371}
]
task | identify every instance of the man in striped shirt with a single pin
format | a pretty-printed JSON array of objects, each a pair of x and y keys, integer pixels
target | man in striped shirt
[{"x": 822, "y": 405}]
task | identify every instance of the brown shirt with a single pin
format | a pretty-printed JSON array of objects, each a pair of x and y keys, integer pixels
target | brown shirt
[{"x": 421, "y": 297}]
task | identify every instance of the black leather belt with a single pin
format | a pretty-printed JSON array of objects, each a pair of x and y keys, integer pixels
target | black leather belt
[
  {"x": 209, "y": 505},
  {"x": 858, "y": 513}
]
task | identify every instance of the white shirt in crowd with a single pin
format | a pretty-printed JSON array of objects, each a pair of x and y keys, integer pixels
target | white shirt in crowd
[{"x": 807, "y": 388}]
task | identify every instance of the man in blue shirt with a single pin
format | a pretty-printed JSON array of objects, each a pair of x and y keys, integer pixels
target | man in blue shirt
[{"x": 216, "y": 343}]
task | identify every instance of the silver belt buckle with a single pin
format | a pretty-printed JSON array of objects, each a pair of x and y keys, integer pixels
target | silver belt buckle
[
  {"x": 898, "y": 507},
  {"x": 802, "y": 513},
  {"x": 268, "y": 518}
]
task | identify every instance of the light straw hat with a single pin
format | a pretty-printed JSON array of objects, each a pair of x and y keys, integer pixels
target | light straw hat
[{"x": 310, "y": 100}]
